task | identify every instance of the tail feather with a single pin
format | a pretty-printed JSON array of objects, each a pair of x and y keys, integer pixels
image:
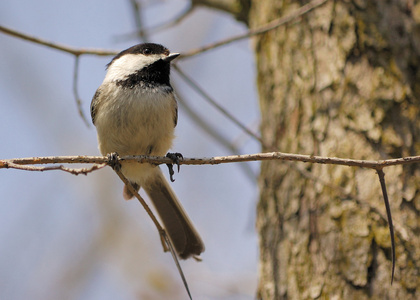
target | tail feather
[
  {"x": 181, "y": 231},
  {"x": 127, "y": 194}
]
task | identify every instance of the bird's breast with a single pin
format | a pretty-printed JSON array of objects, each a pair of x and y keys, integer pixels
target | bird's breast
[{"x": 136, "y": 122}]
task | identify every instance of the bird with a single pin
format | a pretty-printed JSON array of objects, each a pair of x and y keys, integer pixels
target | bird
[{"x": 135, "y": 112}]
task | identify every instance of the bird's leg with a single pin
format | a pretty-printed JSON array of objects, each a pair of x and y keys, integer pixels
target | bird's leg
[
  {"x": 113, "y": 161},
  {"x": 175, "y": 160}
]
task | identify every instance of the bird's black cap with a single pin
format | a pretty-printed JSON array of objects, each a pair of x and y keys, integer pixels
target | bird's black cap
[{"x": 145, "y": 49}]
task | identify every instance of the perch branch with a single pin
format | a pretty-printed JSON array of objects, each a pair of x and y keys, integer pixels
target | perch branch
[
  {"x": 27, "y": 164},
  {"x": 370, "y": 164}
]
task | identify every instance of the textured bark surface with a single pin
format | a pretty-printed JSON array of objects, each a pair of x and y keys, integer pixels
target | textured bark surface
[{"x": 342, "y": 81}]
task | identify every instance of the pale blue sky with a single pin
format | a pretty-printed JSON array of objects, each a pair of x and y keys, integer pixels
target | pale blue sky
[{"x": 68, "y": 237}]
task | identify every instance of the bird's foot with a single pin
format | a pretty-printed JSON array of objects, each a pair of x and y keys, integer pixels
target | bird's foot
[
  {"x": 114, "y": 161},
  {"x": 175, "y": 160}
]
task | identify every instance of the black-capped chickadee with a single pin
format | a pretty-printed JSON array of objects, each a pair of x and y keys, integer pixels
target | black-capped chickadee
[{"x": 135, "y": 113}]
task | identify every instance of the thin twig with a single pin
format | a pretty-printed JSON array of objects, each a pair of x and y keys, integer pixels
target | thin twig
[
  {"x": 76, "y": 92},
  {"x": 64, "y": 48},
  {"x": 221, "y": 109},
  {"x": 73, "y": 171},
  {"x": 164, "y": 237},
  {"x": 178, "y": 19},
  {"x": 137, "y": 14},
  {"x": 155, "y": 29},
  {"x": 178, "y": 265},
  {"x": 142, "y": 201},
  {"x": 213, "y": 133},
  {"x": 381, "y": 175},
  {"x": 263, "y": 29}
]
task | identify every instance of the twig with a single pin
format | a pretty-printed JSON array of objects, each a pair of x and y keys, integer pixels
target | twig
[
  {"x": 213, "y": 133},
  {"x": 83, "y": 171},
  {"x": 142, "y": 201},
  {"x": 263, "y": 29},
  {"x": 178, "y": 265},
  {"x": 76, "y": 92},
  {"x": 381, "y": 175},
  {"x": 167, "y": 245},
  {"x": 178, "y": 19},
  {"x": 137, "y": 14},
  {"x": 155, "y": 29},
  {"x": 221, "y": 109},
  {"x": 64, "y": 48}
]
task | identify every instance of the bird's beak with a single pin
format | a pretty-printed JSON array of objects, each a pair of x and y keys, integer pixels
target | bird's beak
[{"x": 170, "y": 57}]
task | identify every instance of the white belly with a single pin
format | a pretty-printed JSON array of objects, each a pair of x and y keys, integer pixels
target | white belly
[{"x": 141, "y": 124}]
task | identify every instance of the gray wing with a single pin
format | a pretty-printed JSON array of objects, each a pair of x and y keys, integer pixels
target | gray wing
[
  {"x": 94, "y": 105},
  {"x": 175, "y": 111}
]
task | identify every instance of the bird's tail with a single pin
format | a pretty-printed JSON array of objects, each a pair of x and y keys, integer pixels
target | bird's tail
[{"x": 181, "y": 231}]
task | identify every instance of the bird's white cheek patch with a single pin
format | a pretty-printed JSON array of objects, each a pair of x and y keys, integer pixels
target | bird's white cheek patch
[{"x": 129, "y": 64}]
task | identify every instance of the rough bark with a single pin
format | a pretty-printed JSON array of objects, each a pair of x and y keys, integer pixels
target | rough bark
[{"x": 342, "y": 81}]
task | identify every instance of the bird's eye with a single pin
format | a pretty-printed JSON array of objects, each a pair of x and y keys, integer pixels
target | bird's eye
[{"x": 147, "y": 51}]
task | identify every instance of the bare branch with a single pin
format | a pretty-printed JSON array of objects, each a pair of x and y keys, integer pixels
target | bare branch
[
  {"x": 64, "y": 48},
  {"x": 54, "y": 160},
  {"x": 381, "y": 175},
  {"x": 178, "y": 19},
  {"x": 83, "y": 171},
  {"x": 370, "y": 164},
  {"x": 76, "y": 92},
  {"x": 263, "y": 29},
  {"x": 178, "y": 265},
  {"x": 237, "y": 8},
  {"x": 229, "y": 6},
  {"x": 26, "y": 164},
  {"x": 221, "y": 109},
  {"x": 166, "y": 242},
  {"x": 141, "y": 200},
  {"x": 213, "y": 133},
  {"x": 137, "y": 14}
]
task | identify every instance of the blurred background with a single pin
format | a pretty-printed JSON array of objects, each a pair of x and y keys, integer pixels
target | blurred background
[{"x": 74, "y": 237}]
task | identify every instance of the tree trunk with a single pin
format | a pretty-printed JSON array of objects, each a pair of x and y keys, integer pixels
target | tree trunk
[{"x": 341, "y": 81}]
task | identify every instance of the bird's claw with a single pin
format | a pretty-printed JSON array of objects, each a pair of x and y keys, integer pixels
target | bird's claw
[
  {"x": 175, "y": 160},
  {"x": 114, "y": 161}
]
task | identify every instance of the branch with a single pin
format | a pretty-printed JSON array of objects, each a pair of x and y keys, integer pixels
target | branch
[
  {"x": 381, "y": 175},
  {"x": 216, "y": 105},
  {"x": 178, "y": 19},
  {"x": 26, "y": 164},
  {"x": 76, "y": 92},
  {"x": 166, "y": 242},
  {"x": 263, "y": 29},
  {"x": 87, "y": 51},
  {"x": 83, "y": 171},
  {"x": 64, "y": 48},
  {"x": 201, "y": 122},
  {"x": 370, "y": 164},
  {"x": 237, "y": 8}
]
